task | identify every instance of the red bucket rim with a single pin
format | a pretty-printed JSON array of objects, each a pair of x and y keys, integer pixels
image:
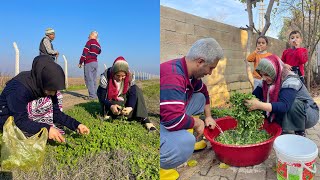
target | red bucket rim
[{"x": 238, "y": 146}]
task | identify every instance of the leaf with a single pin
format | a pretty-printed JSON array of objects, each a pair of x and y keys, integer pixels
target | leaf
[{"x": 223, "y": 166}]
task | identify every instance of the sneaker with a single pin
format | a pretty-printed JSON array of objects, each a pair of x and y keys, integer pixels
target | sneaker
[
  {"x": 148, "y": 124},
  {"x": 300, "y": 133},
  {"x": 150, "y": 127}
]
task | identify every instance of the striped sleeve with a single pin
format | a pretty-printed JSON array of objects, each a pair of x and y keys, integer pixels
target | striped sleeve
[
  {"x": 85, "y": 51},
  {"x": 199, "y": 86},
  {"x": 173, "y": 103},
  {"x": 95, "y": 48}
]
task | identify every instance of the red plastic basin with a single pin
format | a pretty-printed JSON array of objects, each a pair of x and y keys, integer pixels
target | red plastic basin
[{"x": 244, "y": 155}]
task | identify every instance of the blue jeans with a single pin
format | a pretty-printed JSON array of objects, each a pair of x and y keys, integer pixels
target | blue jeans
[
  {"x": 177, "y": 146},
  {"x": 90, "y": 78}
]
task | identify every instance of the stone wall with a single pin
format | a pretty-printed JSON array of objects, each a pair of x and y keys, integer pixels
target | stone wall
[{"x": 179, "y": 30}]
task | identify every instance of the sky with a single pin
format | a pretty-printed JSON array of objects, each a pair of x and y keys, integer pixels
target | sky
[
  {"x": 230, "y": 12},
  {"x": 126, "y": 28}
]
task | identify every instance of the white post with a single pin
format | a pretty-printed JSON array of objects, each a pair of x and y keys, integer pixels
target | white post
[
  {"x": 133, "y": 76},
  {"x": 66, "y": 70},
  {"x": 105, "y": 66},
  {"x": 16, "y": 72}
]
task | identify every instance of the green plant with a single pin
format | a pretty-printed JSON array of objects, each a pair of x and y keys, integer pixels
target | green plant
[
  {"x": 249, "y": 123},
  {"x": 113, "y": 149},
  {"x": 130, "y": 137},
  {"x": 221, "y": 112}
]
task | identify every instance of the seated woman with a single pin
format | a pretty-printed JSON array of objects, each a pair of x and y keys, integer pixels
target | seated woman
[
  {"x": 284, "y": 97},
  {"x": 45, "y": 79},
  {"x": 116, "y": 91}
]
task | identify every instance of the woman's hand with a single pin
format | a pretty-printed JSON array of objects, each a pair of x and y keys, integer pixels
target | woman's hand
[
  {"x": 252, "y": 104},
  {"x": 55, "y": 135},
  {"x": 210, "y": 122},
  {"x": 82, "y": 129},
  {"x": 115, "y": 109},
  {"x": 126, "y": 111}
]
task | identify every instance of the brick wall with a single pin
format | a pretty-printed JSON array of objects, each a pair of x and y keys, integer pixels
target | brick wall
[{"x": 179, "y": 30}]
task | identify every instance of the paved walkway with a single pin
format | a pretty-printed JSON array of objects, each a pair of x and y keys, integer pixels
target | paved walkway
[{"x": 208, "y": 166}]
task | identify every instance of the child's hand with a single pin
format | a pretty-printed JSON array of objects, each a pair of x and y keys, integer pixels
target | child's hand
[
  {"x": 295, "y": 43},
  {"x": 126, "y": 111},
  {"x": 82, "y": 129},
  {"x": 258, "y": 49},
  {"x": 287, "y": 66}
]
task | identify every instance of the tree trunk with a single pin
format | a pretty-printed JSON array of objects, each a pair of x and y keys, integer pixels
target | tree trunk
[
  {"x": 267, "y": 17},
  {"x": 250, "y": 34}
]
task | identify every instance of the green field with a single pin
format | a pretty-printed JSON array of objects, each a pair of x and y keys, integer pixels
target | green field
[{"x": 112, "y": 150}]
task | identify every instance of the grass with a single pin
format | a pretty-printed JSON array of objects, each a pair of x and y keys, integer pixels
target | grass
[
  {"x": 151, "y": 89},
  {"x": 112, "y": 150},
  {"x": 76, "y": 87}
]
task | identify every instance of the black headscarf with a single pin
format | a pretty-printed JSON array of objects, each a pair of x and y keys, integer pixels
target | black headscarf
[{"x": 44, "y": 75}]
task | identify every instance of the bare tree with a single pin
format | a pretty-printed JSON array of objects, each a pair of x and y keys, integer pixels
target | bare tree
[{"x": 250, "y": 5}]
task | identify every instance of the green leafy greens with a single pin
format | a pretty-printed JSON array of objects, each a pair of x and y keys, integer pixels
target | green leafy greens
[{"x": 249, "y": 123}]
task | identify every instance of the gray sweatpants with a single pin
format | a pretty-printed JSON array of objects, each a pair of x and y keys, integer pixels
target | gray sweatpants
[
  {"x": 300, "y": 117},
  {"x": 90, "y": 78}
]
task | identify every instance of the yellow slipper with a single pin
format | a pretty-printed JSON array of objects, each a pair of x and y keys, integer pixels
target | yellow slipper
[
  {"x": 200, "y": 145},
  {"x": 168, "y": 174}
]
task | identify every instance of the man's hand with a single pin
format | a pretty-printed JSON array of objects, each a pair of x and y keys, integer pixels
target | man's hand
[
  {"x": 115, "y": 109},
  {"x": 126, "y": 111},
  {"x": 210, "y": 122},
  {"x": 80, "y": 65},
  {"x": 57, "y": 54},
  {"x": 55, "y": 135},
  {"x": 82, "y": 129},
  {"x": 198, "y": 127}
]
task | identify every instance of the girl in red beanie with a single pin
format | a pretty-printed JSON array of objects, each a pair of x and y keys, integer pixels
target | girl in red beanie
[{"x": 116, "y": 90}]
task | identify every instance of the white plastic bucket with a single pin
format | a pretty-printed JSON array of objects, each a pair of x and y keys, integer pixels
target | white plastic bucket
[{"x": 296, "y": 157}]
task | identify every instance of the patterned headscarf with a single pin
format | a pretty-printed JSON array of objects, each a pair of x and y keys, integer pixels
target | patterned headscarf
[
  {"x": 120, "y": 64},
  {"x": 273, "y": 66}
]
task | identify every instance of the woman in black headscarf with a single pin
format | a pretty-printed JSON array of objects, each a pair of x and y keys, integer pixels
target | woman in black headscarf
[{"x": 45, "y": 79}]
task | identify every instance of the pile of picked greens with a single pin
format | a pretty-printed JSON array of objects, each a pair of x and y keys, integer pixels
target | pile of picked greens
[{"x": 249, "y": 122}]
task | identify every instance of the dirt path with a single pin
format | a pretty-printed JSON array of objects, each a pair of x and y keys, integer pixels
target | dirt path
[{"x": 71, "y": 98}]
